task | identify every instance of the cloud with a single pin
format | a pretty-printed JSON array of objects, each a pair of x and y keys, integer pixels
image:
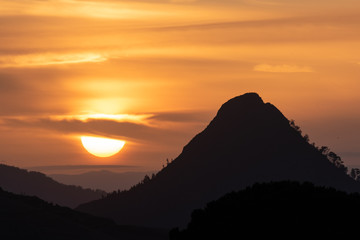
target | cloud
[
  {"x": 66, "y": 8},
  {"x": 189, "y": 116},
  {"x": 309, "y": 21},
  {"x": 282, "y": 68},
  {"x": 8, "y": 84},
  {"x": 45, "y": 59},
  {"x": 102, "y": 127},
  {"x": 156, "y": 128}
]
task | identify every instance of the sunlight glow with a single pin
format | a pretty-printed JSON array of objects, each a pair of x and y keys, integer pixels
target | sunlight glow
[
  {"x": 92, "y": 9},
  {"x": 117, "y": 117},
  {"x": 102, "y": 147},
  {"x": 134, "y": 118}
]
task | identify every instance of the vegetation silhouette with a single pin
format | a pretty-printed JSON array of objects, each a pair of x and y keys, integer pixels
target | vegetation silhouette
[
  {"x": 324, "y": 150},
  {"x": 355, "y": 174},
  {"x": 287, "y": 209},
  {"x": 25, "y": 217},
  {"x": 248, "y": 141},
  {"x": 31, "y": 183}
]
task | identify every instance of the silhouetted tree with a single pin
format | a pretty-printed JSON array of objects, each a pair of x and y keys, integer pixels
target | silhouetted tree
[
  {"x": 337, "y": 161},
  {"x": 306, "y": 137},
  {"x": 324, "y": 150},
  {"x": 355, "y": 174},
  {"x": 146, "y": 179},
  {"x": 294, "y": 126}
]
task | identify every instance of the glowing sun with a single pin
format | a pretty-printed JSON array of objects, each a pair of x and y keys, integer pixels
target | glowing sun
[{"x": 102, "y": 147}]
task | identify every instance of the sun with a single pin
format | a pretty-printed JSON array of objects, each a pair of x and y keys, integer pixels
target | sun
[{"x": 102, "y": 147}]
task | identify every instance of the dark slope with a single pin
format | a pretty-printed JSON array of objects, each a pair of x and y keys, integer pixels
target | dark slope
[
  {"x": 21, "y": 181},
  {"x": 105, "y": 180},
  {"x": 24, "y": 217},
  {"x": 285, "y": 210},
  {"x": 247, "y": 142}
]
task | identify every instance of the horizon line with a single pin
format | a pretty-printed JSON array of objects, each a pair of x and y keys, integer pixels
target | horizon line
[{"x": 77, "y": 167}]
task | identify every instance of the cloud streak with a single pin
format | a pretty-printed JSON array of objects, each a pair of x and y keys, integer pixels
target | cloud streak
[
  {"x": 284, "y": 68},
  {"x": 331, "y": 19},
  {"x": 185, "y": 117},
  {"x": 148, "y": 129},
  {"x": 45, "y": 59},
  {"x": 66, "y": 8}
]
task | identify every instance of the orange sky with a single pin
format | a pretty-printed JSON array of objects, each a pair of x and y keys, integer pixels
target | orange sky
[{"x": 154, "y": 73}]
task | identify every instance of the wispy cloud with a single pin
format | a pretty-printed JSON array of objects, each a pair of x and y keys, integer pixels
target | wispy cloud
[
  {"x": 66, "y": 8},
  {"x": 45, "y": 59},
  {"x": 284, "y": 68},
  {"x": 142, "y": 127},
  {"x": 186, "y": 116}
]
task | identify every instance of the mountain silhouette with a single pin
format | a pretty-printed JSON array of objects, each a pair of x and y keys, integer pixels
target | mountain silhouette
[
  {"x": 285, "y": 210},
  {"x": 31, "y": 183},
  {"x": 25, "y": 217},
  {"x": 104, "y": 179},
  {"x": 248, "y": 141}
]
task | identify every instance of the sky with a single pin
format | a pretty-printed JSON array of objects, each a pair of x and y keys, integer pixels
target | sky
[{"x": 153, "y": 73}]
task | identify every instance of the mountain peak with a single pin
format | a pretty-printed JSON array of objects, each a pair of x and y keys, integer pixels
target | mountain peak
[
  {"x": 247, "y": 111},
  {"x": 248, "y": 141},
  {"x": 249, "y": 98},
  {"x": 241, "y": 105},
  {"x": 245, "y": 102}
]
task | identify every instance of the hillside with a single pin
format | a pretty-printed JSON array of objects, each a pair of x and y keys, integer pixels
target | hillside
[
  {"x": 105, "y": 180},
  {"x": 285, "y": 210},
  {"x": 30, "y": 183},
  {"x": 248, "y": 141},
  {"x": 24, "y": 217}
]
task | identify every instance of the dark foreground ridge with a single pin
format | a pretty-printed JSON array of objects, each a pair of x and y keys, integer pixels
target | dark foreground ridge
[
  {"x": 24, "y": 217},
  {"x": 285, "y": 210},
  {"x": 248, "y": 141}
]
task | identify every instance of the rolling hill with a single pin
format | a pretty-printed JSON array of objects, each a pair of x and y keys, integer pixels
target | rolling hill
[
  {"x": 31, "y": 183},
  {"x": 25, "y": 217},
  {"x": 104, "y": 179},
  {"x": 285, "y": 210}
]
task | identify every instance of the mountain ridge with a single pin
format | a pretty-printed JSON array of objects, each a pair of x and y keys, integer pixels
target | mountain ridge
[
  {"x": 21, "y": 181},
  {"x": 102, "y": 179},
  {"x": 280, "y": 209},
  {"x": 28, "y": 217}
]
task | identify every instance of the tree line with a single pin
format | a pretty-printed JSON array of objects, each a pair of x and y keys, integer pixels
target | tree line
[{"x": 327, "y": 153}]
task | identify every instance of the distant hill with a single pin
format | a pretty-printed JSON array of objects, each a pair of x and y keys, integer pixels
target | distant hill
[
  {"x": 24, "y": 217},
  {"x": 30, "y": 183},
  {"x": 285, "y": 210},
  {"x": 248, "y": 141},
  {"x": 105, "y": 180}
]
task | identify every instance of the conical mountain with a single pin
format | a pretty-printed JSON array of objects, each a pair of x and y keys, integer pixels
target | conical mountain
[{"x": 248, "y": 141}]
